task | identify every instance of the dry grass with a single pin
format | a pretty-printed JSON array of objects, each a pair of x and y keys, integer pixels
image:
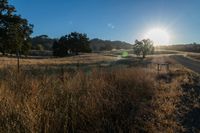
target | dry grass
[
  {"x": 164, "y": 105},
  {"x": 99, "y": 102},
  {"x": 83, "y": 59},
  {"x": 194, "y": 56},
  {"x": 102, "y": 100}
]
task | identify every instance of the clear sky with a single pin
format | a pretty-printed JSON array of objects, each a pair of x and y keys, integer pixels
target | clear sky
[{"x": 124, "y": 20}]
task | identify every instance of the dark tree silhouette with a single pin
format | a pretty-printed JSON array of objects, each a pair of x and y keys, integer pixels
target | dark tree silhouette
[
  {"x": 14, "y": 30},
  {"x": 71, "y": 44},
  {"x": 56, "y": 48},
  {"x": 143, "y": 47},
  {"x": 78, "y": 42}
]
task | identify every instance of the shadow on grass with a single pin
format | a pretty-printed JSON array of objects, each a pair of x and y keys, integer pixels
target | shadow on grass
[
  {"x": 52, "y": 69},
  {"x": 191, "y": 118}
]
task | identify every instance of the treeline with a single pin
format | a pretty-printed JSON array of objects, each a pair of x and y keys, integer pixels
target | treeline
[
  {"x": 194, "y": 47},
  {"x": 71, "y": 44},
  {"x": 43, "y": 42}
]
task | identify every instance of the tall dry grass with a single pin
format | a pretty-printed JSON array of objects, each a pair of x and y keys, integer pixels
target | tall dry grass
[{"x": 100, "y": 101}]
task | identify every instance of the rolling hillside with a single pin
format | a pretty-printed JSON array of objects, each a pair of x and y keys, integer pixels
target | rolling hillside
[{"x": 106, "y": 45}]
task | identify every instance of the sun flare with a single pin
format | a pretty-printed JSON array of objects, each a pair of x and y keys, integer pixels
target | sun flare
[{"x": 159, "y": 36}]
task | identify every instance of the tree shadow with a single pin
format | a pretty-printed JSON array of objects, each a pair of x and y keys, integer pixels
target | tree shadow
[{"x": 190, "y": 118}]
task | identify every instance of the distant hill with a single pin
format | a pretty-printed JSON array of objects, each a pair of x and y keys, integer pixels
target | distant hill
[
  {"x": 42, "y": 41},
  {"x": 183, "y": 47},
  {"x": 106, "y": 45}
]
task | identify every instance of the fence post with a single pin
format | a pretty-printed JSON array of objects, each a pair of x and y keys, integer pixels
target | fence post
[
  {"x": 167, "y": 67},
  {"x": 18, "y": 61},
  {"x": 158, "y": 67},
  {"x": 62, "y": 74}
]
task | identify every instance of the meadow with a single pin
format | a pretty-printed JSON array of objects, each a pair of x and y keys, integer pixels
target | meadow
[{"x": 97, "y": 93}]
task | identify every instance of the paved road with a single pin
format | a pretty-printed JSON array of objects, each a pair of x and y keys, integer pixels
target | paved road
[{"x": 187, "y": 62}]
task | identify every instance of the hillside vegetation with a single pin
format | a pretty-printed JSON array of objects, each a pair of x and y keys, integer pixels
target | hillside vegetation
[{"x": 107, "y": 45}]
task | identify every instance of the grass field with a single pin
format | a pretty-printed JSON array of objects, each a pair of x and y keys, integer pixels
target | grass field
[
  {"x": 194, "y": 56},
  {"x": 97, "y": 93},
  {"x": 83, "y": 58}
]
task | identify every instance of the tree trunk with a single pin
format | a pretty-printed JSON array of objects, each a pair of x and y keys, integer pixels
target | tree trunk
[{"x": 143, "y": 56}]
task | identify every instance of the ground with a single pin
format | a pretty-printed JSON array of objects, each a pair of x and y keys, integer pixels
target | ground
[{"x": 123, "y": 94}]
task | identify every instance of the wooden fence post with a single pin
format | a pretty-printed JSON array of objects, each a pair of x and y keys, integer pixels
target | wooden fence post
[
  {"x": 62, "y": 74},
  {"x": 18, "y": 61},
  {"x": 167, "y": 67},
  {"x": 158, "y": 67}
]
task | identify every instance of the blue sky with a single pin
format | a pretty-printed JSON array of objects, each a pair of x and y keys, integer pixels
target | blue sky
[{"x": 124, "y": 20}]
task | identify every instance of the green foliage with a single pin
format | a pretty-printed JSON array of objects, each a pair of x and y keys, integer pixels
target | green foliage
[
  {"x": 143, "y": 47},
  {"x": 14, "y": 30},
  {"x": 25, "y": 48},
  {"x": 71, "y": 44},
  {"x": 59, "y": 49}
]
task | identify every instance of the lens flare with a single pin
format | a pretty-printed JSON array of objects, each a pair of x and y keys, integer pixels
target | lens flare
[{"x": 159, "y": 36}]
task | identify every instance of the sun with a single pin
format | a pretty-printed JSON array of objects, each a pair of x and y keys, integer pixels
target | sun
[{"x": 159, "y": 36}]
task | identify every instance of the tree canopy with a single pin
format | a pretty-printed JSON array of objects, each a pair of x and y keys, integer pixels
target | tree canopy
[
  {"x": 15, "y": 31},
  {"x": 72, "y": 43},
  {"x": 143, "y": 47}
]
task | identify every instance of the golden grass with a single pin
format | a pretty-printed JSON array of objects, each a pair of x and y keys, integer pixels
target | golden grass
[
  {"x": 83, "y": 58},
  {"x": 103, "y": 100},
  {"x": 100, "y": 102}
]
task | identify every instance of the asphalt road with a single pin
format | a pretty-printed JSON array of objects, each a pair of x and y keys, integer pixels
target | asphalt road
[{"x": 187, "y": 62}]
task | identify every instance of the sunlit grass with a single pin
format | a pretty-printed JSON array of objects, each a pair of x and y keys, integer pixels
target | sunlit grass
[{"x": 127, "y": 99}]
